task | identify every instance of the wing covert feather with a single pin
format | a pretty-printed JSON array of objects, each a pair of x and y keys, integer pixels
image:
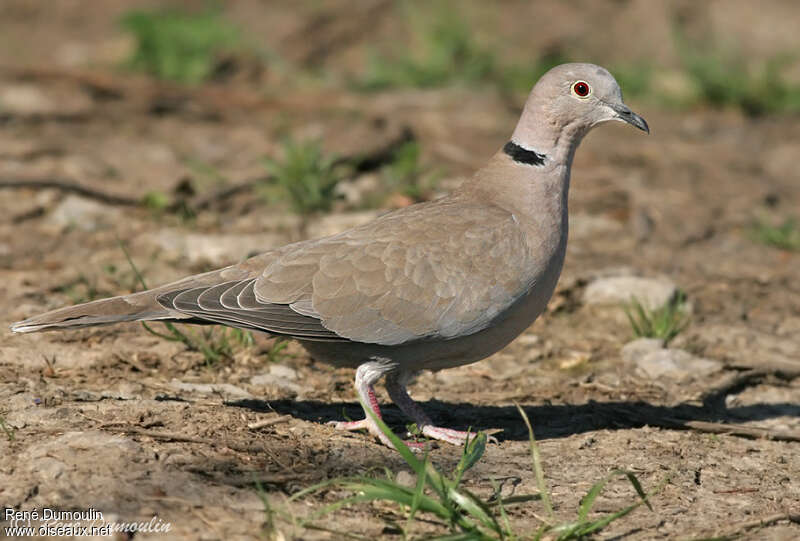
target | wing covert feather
[{"x": 439, "y": 270}]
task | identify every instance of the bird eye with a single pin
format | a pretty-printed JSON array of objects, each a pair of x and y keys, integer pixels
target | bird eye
[{"x": 581, "y": 89}]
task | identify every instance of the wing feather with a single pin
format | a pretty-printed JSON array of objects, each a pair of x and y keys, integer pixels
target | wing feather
[{"x": 437, "y": 270}]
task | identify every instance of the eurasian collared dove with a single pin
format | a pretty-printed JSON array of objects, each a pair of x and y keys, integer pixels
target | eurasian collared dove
[{"x": 431, "y": 286}]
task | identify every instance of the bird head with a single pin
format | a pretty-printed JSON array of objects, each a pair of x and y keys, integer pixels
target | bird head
[{"x": 567, "y": 102}]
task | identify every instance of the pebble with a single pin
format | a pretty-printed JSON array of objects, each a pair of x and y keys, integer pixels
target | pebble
[
  {"x": 280, "y": 376},
  {"x": 406, "y": 479},
  {"x": 83, "y": 214},
  {"x": 639, "y": 348},
  {"x": 651, "y": 292},
  {"x": 26, "y": 99},
  {"x": 283, "y": 371},
  {"x": 653, "y": 361}
]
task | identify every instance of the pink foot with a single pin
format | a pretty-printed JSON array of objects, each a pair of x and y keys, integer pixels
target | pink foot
[
  {"x": 366, "y": 424},
  {"x": 456, "y": 437},
  {"x": 350, "y": 425},
  {"x": 396, "y": 386}
]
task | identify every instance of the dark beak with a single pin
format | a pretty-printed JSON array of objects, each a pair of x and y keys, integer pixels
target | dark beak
[{"x": 626, "y": 115}]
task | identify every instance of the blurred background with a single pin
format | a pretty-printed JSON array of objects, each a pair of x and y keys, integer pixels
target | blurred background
[
  {"x": 681, "y": 53},
  {"x": 301, "y": 118},
  {"x": 141, "y": 141}
]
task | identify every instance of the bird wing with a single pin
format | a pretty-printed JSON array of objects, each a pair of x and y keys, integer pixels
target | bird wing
[{"x": 437, "y": 270}]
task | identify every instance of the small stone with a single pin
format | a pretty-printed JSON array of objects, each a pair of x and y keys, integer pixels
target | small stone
[
  {"x": 273, "y": 380},
  {"x": 639, "y": 348},
  {"x": 651, "y": 292},
  {"x": 26, "y": 99},
  {"x": 528, "y": 339},
  {"x": 354, "y": 192},
  {"x": 574, "y": 359},
  {"x": 406, "y": 479},
  {"x": 675, "y": 364},
  {"x": 81, "y": 213},
  {"x": 283, "y": 371}
]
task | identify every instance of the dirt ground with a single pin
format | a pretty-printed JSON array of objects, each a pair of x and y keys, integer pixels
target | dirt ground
[{"x": 123, "y": 422}]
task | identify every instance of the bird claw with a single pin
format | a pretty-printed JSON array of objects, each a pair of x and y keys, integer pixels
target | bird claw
[
  {"x": 364, "y": 424},
  {"x": 455, "y": 437},
  {"x": 349, "y": 425}
]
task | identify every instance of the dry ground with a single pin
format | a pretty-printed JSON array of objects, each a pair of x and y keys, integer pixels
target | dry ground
[{"x": 121, "y": 421}]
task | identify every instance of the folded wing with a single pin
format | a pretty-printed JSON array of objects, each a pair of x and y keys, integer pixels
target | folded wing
[{"x": 437, "y": 270}]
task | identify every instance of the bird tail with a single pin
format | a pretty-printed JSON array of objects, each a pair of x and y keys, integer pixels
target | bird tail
[
  {"x": 141, "y": 306},
  {"x": 136, "y": 307}
]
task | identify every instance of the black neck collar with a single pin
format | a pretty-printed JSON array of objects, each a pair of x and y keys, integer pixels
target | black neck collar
[{"x": 523, "y": 155}]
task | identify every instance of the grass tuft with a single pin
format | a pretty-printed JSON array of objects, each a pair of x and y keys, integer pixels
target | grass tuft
[
  {"x": 214, "y": 343},
  {"x": 277, "y": 351},
  {"x": 635, "y": 80},
  {"x": 405, "y": 174},
  {"x": 724, "y": 80},
  {"x": 7, "y": 430},
  {"x": 449, "y": 55},
  {"x": 785, "y": 236},
  {"x": 665, "y": 322},
  {"x": 306, "y": 176},
  {"x": 177, "y": 45},
  {"x": 442, "y": 500},
  {"x": 156, "y": 201}
]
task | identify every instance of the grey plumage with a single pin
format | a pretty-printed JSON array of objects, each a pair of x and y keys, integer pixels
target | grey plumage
[{"x": 433, "y": 285}]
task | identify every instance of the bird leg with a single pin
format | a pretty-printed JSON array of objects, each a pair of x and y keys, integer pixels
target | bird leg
[
  {"x": 366, "y": 376},
  {"x": 396, "y": 387}
]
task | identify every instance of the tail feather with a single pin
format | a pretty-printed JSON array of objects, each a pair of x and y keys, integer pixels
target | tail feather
[
  {"x": 141, "y": 306},
  {"x": 136, "y": 307}
]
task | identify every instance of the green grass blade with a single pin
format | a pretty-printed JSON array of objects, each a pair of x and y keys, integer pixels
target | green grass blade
[
  {"x": 463, "y": 536},
  {"x": 583, "y": 527},
  {"x": 506, "y": 532},
  {"x": 537, "y": 464},
  {"x": 588, "y": 500},
  {"x": 437, "y": 481},
  {"x": 418, "y": 494},
  {"x": 408, "y": 455},
  {"x": 637, "y": 486},
  {"x": 315, "y": 487},
  {"x": 473, "y": 451},
  {"x": 475, "y": 508},
  {"x": 9, "y": 432}
]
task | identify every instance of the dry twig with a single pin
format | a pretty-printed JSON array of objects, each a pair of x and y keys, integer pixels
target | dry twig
[{"x": 269, "y": 422}]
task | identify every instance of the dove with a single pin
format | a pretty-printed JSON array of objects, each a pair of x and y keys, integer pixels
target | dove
[{"x": 431, "y": 286}]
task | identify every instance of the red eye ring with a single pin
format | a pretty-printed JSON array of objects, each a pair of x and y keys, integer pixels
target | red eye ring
[{"x": 581, "y": 89}]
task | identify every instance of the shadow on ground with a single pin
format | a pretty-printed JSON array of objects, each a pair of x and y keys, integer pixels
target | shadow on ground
[{"x": 549, "y": 421}]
